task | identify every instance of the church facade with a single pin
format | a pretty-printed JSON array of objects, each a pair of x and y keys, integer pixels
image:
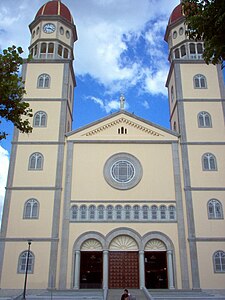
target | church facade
[{"x": 121, "y": 202}]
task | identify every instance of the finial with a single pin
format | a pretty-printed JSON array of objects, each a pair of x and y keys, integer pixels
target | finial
[{"x": 122, "y": 100}]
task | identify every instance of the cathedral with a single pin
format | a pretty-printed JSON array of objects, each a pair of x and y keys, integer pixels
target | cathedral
[{"x": 121, "y": 202}]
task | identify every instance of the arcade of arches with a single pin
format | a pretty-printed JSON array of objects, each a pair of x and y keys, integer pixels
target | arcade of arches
[{"x": 123, "y": 259}]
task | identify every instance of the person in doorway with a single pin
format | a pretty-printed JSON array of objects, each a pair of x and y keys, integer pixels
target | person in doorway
[{"x": 125, "y": 295}]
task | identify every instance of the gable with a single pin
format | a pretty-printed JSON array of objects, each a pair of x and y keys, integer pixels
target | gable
[{"x": 122, "y": 126}]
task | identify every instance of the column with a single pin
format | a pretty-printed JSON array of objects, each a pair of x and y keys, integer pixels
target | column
[
  {"x": 77, "y": 271},
  {"x": 105, "y": 268},
  {"x": 141, "y": 269},
  {"x": 170, "y": 269}
]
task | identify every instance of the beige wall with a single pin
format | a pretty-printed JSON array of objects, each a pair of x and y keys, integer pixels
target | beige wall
[{"x": 89, "y": 161}]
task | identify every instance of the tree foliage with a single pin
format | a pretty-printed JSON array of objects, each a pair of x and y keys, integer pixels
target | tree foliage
[
  {"x": 12, "y": 106},
  {"x": 205, "y": 21}
]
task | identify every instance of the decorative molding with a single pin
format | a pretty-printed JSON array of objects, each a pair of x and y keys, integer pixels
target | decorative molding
[
  {"x": 123, "y": 243},
  {"x": 155, "y": 245},
  {"x": 122, "y": 121},
  {"x": 91, "y": 245}
]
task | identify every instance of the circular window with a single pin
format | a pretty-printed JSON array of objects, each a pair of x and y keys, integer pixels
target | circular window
[
  {"x": 37, "y": 30},
  {"x": 181, "y": 30},
  {"x": 174, "y": 34},
  {"x": 122, "y": 171},
  {"x": 33, "y": 34}
]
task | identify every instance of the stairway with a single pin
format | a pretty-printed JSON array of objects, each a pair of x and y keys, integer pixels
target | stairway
[
  {"x": 184, "y": 295},
  {"x": 135, "y": 294}
]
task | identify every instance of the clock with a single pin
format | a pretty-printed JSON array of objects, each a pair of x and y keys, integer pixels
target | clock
[{"x": 49, "y": 28}]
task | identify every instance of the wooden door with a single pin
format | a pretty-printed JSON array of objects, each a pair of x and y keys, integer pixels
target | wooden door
[{"x": 123, "y": 270}]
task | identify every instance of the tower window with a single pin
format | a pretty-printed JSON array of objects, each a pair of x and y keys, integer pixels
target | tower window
[
  {"x": 136, "y": 212},
  {"x": 66, "y": 53},
  {"x": 209, "y": 162},
  {"x": 175, "y": 34},
  {"x": 118, "y": 212},
  {"x": 36, "y": 161},
  {"x": 172, "y": 94},
  {"x": 183, "y": 50},
  {"x": 177, "y": 53},
  {"x": 219, "y": 261},
  {"x": 200, "y": 81},
  {"x": 204, "y": 119},
  {"x": 31, "y": 209},
  {"x": 154, "y": 212},
  {"x": 23, "y": 264},
  {"x": 199, "y": 48},
  {"x": 145, "y": 212},
  {"x": 181, "y": 30},
  {"x": 43, "y": 81},
  {"x": 192, "y": 48},
  {"x": 40, "y": 119},
  {"x": 43, "y": 48},
  {"x": 91, "y": 211},
  {"x": 215, "y": 210},
  {"x": 60, "y": 49},
  {"x": 50, "y": 48},
  {"x": 83, "y": 212},
  {"x": 127, "y": 212}
]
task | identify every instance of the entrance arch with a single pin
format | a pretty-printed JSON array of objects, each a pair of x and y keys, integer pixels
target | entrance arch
[
  {"x": 155, "y": 265},
  {"x": 123, "y": 263},
  {"x": 91, "y": 264}
]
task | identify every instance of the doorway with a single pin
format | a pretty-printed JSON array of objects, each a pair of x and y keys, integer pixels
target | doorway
[
  {"x": 123, "y": 270},
  {"x": 91, "y": 270},
  {"x": 156, "y": 270}
]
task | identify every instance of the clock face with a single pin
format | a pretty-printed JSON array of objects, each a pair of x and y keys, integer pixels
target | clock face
[{"x": 49, "y": 28}]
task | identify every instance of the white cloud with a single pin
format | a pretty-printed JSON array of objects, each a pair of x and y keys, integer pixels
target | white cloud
[
  {"x": 145, "y": 104},
  {"x": 106, "y": 105},
  {"x": 4, "y": 162}
]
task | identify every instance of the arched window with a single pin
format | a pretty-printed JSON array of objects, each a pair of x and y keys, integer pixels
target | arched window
[
  {"x": 22, "y": 262},
  {"x": 74, "y": 212},
  {"x": 118, "y": 212},
  {"x": 145, "y": 212},
  {"x": 199, "y": 48},
  {"x": 91, "y": 211},
  {"x": 219, "y": 261},
  {"x": 209, "y": 162},
  {"x": 83, "y": 212},
  {"x": 177, "y": 53},
  {"x": 36, "y": 161},
  {"x": 31, "y": 209},
  {"x": 40, "y": 119},
  {"x": 162, "y": 212},
  {"x": 101, "y": 209},
  {"x": 200, "y": 81},
  {"x": 215, "y": 209},
  {"x": 154, "y": 212},
  {"x": 172, "y": 93},
  {"x": 183, "y": 50},
  {"x": 174, "y": 126},
  {"x": 43, "y": 81},
  {"x": 204, "y": 119},
  {"x": 66, "y": 53},
  {"x": 192, "y": 48},
  {"x": 43, "y": 48},
  {"x": 172, "y": 212},
  {"x": 35, "y": 50},
  {"x": 109, "y": 212},
  {"x": 127, "y": 209},
  {"x": 136, "y": 209},
  {"x": 51, "y": 48},
  {"x": 60, "y": 49}
]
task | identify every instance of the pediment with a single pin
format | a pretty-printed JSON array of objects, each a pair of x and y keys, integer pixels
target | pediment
[{"x": 122, "y": 126}]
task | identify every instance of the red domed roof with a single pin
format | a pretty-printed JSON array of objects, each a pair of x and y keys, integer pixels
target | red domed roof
[
  {"x": 55, "y": 8},
  {"x": 176, "y": 14}
]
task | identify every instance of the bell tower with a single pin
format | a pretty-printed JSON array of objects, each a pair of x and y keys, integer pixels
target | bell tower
[
  {"x": 196, "y": 103},
  {"x": 34, "y": 188}
]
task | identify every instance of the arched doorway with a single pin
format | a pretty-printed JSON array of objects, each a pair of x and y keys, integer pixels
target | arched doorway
[
  {"x": 123, "y": 263},
  {"x": 91, "y": 265},
  {"x": 156, "y": 265}
]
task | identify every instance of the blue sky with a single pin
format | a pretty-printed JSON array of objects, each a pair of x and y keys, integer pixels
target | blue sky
[{"x": 120, "y": 49}]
